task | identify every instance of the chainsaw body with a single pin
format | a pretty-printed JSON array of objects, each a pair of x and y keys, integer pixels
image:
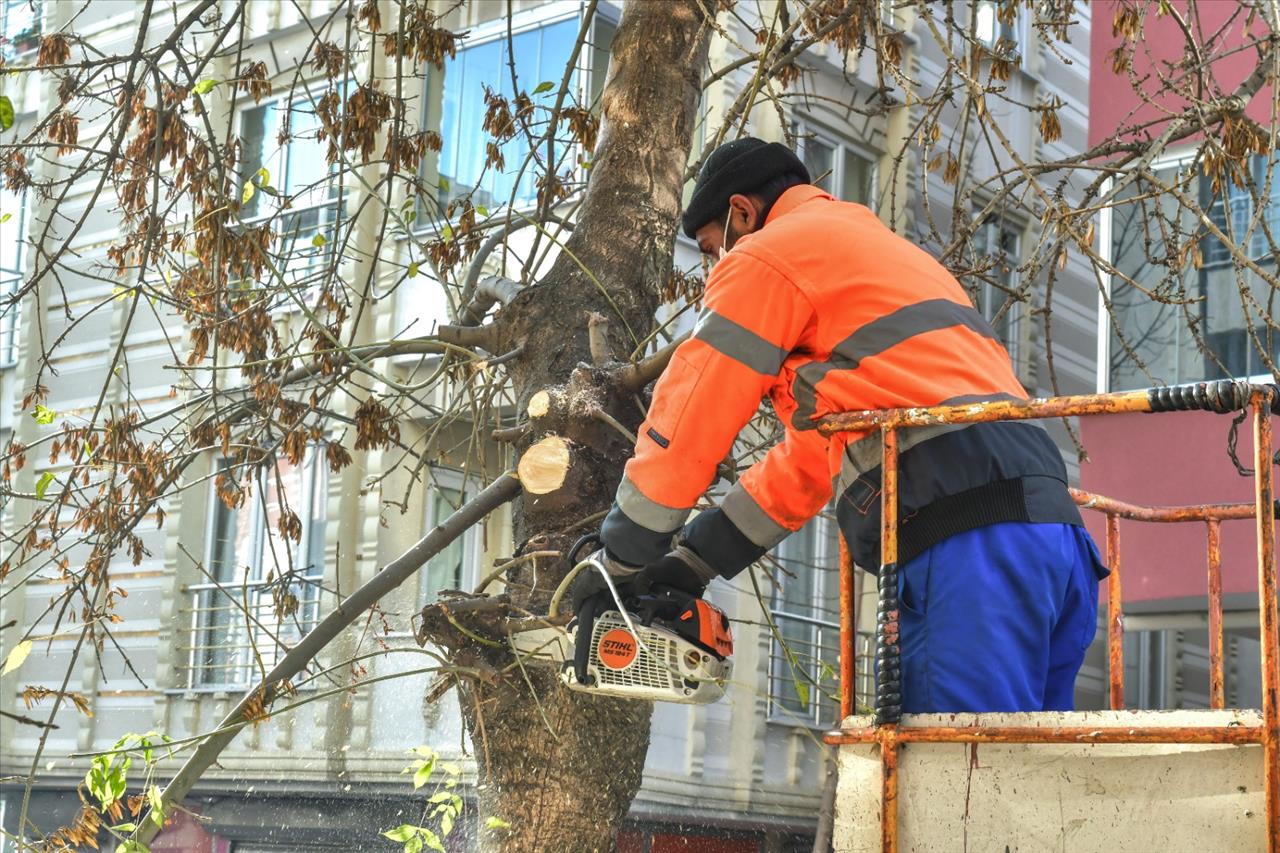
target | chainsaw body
[{"x": 679, "y": 651}]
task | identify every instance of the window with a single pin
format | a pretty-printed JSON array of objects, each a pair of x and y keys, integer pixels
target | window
[
  {"x": 540, "y": 54},
  {"x": 804, "y": 681},
  {"x": 295, "y": 169},
  {"x": 262, "y": 593},
  {"x": 456, "y": 565},
  {"x": 13, "y": 234},
  {"x": 1168, "y": 668},
  {"x": 1152, "y": 342},
  {"x": 996, "y": 250},
  {"x": 19, "y": 27},
  {"x": 996, "y": 31},
  {"x": 836, "y": 167}
]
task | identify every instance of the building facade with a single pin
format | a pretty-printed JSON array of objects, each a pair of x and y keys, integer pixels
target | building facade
[
  {"x": 1144, "y": 343},
  {"x": 745, "y": 774}
]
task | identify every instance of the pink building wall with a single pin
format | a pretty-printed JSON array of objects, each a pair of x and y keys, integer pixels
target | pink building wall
[
  {"x": 1112, "y": 101},
  {"x": 1176, "y": 458},
  {"x": 1171, "y": 459}
]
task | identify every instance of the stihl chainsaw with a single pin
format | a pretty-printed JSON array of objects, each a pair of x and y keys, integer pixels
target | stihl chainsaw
[{"x": 662, "y": 646}]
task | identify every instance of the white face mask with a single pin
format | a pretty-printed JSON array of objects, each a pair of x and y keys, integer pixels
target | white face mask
[{"x": 725, "y": 238}]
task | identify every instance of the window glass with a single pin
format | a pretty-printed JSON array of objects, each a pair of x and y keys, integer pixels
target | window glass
[
  {"x": 1151, "y": 340},
  {"x": 539, "y": 55},
  {"x": 13, "y": 235},
  {"x": 995, "y": 246},
  {"x": 445, "y": 569},
  {"x": 805, "y": 654},
  {"x": 263, "y": 593}
]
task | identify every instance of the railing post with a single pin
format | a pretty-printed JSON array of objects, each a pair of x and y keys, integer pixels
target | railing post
[
  {"x": 848, "y": 633},
  {"x": 888, "y": 647},
  {"x": 1115, "y": 615},
  {"x": 1268, "y": 632},
  {"x": 1217, "y": 684}
]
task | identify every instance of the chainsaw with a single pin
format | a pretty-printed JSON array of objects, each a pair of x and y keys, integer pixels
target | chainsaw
[{"x": 662, "y": 646}]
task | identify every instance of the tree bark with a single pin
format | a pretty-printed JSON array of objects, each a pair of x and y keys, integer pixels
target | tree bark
[{"x": 560, "y": 769}]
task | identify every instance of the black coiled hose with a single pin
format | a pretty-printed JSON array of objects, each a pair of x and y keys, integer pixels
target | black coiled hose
[
  {"x": 888, "y": 649},
  {"x": 1222, "y": 396}
]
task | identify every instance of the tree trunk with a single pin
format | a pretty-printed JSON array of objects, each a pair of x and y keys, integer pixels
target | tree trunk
[{"x": 559, "y": 768}]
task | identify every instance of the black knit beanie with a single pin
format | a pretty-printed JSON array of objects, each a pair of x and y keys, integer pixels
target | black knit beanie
[{"x": 740, "y": 166}]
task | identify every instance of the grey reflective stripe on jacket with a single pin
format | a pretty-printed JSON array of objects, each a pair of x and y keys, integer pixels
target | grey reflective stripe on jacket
[
  {"x": 876, "y": 337},
  {"x": 749, "y": 517},
  {"x": 648, "y": 513},
  {"x": 739, "y": 343}
]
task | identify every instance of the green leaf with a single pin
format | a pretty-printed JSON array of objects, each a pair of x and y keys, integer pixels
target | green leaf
[
  {"x": 495, "y": 822},
  {"x": 802, "y": 692},
  {"x": 319, "y": 240},
  {"x": 205, "y": 86},
  {"x": 247, "y": 192},
  {"x": 413, "y": 269},
  {"x": 410, "y": 216},
  {"x": 413, "y": 845},
  {"x": 6, "y": 217},
  {"x": 446, "y": 232},
  {"x": 155, "y": 800},
  {"x": 44, "y": 416},
  {"x": 131, "y": 846},
  {"x": 544, "y": 86},
  {"x": 440, "y": 797},
  {"x": 125, "y": 827},
  {"x": 403, "y": 832},
  {"x": 6, "y": 113},
  {"x": 446, "y": 824},
  {"x": 432, "y": 840},
  {"x": 42, "y": 485},
  {"x": 451, "y": 768},
  {"x": 16, "y": 656},
  {"x": 263, "y": 176},
  {"x": 482, "y": 210},
  {"x": 444, "y": 184},
  {"x": 423, "y": 773}
]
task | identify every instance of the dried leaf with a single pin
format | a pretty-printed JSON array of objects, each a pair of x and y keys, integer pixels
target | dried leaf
[{"x": 17, "y": 655}]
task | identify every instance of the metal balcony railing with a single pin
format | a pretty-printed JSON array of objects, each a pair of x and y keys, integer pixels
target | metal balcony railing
[
  {"x": 240, "y": 631},
  {"x": 1222, "y": 397}
]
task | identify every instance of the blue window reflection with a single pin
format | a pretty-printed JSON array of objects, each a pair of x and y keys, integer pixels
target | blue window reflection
[{"x": 540, "y": 55}]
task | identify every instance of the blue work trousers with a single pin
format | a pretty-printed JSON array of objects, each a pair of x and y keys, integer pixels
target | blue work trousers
[{"x": 998, "y": 618}]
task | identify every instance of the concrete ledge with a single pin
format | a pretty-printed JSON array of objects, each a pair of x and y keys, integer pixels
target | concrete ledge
[{"x": 1059, "y": 797}]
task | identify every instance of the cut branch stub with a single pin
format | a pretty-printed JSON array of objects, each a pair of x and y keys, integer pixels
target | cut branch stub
[
  {"x": 539, "y": 404},
  {"x": 544, "y": 466}
]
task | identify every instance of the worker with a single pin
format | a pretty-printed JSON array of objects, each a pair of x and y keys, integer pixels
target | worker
[{"x": 815, "y": 303}]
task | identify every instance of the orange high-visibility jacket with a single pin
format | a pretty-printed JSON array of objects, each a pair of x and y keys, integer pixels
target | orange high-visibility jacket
[{"x": 826, "y": 310}]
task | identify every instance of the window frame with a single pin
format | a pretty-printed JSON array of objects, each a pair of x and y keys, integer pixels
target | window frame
[
  {"x": 1016, "y": 226},
  {"x": 527, "y": 20},
  {"x": 10, "y": 282},
  {"x": 307, "y": 95},
  {"x": 1174, "y": 159},
  {"x": 804, "y": 127},
  {"x": 10, "y": 50},
  {"x": 1018, "y": 32},
  {"x": 472, "y": 539},
  {"x": 200, "y": 595}
]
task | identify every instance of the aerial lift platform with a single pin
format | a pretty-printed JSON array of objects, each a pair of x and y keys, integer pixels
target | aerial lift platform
[{"x": 1201, "y": 781}]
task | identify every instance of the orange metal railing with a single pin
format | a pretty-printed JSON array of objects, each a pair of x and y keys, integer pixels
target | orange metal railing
[{"x": 1215, "y": 396}]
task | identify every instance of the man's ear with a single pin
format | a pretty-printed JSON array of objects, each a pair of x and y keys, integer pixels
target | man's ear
[{"x": 745, "y": 213}]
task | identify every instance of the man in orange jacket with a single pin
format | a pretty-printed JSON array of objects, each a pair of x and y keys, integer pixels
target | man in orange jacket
[{"x": 817, "y": 304}]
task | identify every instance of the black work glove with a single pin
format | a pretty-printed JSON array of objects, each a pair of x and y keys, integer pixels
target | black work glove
[
  {"x": 589, "y": 583},
  {"x": 681, "y": 569}
]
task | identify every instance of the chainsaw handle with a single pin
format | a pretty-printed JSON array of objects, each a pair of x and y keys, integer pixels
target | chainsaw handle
[
  {"x": 589, "y": 539},
  {"x": 582, "y": 637}
]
